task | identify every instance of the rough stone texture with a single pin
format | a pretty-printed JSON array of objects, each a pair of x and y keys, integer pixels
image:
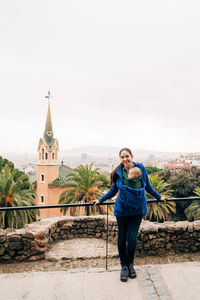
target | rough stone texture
[
  {"x": 153, "y": 283},
  {"x": 35, "y": 239}
]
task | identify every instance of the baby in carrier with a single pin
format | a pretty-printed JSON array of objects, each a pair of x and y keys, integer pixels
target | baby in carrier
[
  {"x": 133, "y": 179},
  {"x": 134, "y": 173}
]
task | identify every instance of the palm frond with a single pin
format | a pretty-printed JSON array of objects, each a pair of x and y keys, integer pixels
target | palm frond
[
  {"x": 85, "y": 183},
  {"x": 159, "y": 211}
]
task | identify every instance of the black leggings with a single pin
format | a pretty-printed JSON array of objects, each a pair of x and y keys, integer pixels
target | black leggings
[{"x": 127, "y": 236}]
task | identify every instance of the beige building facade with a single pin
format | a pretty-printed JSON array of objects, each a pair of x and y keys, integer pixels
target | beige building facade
[{"x": 50, "y": 176}]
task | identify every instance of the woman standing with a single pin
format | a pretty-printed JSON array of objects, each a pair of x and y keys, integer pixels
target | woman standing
[{"x": 130, "y": 207}]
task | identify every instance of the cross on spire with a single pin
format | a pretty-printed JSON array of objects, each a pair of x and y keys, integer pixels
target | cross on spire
[{"x": 48, "y": 96}]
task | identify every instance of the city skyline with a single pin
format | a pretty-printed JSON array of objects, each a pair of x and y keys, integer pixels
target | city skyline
[{"x": 120, "y": 74}]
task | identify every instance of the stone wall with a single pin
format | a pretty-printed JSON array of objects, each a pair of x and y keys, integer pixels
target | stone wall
[{"x": 161, "y": 239}]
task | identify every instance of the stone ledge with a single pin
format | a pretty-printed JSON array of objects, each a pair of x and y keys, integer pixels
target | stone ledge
[{"x": 31, "y": 242}]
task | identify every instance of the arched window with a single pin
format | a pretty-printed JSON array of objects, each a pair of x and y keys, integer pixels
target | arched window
[
  {"x": 53, "y": 156},
  {"x": 42, "y": 199},
  {"x": 42, "y": 153},
  {"x": 42, "y": 178},
  {"x": 46, "y": 155}
]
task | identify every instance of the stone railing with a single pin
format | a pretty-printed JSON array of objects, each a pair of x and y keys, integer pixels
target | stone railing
[{"x": 161, "y": 239}]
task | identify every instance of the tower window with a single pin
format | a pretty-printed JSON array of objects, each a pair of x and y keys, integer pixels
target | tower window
[
  {"x": 52, "y": 155},
  {"x": 42, "y": 199},
  {"x": 56, "y": 153},
  {"x": 42, "y": 178},
  {"x": 42, "y": 153},
  {"x": 46, "y": 155}
]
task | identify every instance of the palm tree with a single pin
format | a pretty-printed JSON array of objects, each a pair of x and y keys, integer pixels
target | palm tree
[
  {"x": 159, "y": 211},
  {"x": 193, "y": 210},
  {"x": 14, "y": 192},
  {"x": 4, "y": 161},
  {"x": 84, "y": 185}
]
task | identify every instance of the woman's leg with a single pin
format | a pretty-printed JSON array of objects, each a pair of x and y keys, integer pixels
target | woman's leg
[
  {"x": 122, "y": 223},
  {"x": 132, "y": 231}
]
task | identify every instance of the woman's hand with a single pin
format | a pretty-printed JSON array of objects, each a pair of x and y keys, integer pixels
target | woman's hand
[
  {"x": 96, "y": 202},
  {"x": 163, "y": 199}
]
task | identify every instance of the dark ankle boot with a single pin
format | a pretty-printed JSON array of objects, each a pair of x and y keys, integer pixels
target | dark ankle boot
[
  {"x": 124, "y": 274},
  {"x": 131, "y": 271}
]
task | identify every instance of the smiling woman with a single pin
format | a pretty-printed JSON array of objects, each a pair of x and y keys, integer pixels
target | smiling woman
[
  {"x": 126, "y": 158},
  {"x": 130, "y": 207}
]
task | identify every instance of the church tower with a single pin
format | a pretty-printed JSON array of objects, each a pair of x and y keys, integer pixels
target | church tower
[{"x": 47, "y": 167}]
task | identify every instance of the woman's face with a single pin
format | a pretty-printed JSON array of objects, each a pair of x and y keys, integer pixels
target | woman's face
[{"x": 126, "y": 159}]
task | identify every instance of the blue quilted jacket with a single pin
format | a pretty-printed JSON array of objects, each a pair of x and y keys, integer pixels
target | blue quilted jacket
[{"x": 130, "y": 201}]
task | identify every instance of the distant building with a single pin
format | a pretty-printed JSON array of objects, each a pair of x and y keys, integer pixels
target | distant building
[
  {"x": 151, "y": 157},
  {"x": 177, "y": 165},
  {"x": 84, "y": 156},
  {"x": 29, "y": 169},
  {"x": 50, "y": 175},
  {"x": 192, "y": 158},
  {"x": 156, "y": 164}
]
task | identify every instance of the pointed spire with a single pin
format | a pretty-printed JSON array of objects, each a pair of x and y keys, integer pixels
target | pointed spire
[
  {"x": 48, "y": 132},
  {"x": 48, "y": 126}
]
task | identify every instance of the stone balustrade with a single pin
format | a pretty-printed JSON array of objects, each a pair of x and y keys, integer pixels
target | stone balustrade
[{"x": 31, "y": 242}]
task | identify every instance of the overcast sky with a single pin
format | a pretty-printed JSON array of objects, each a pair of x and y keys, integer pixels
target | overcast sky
[{"x": 121, "y": 73}]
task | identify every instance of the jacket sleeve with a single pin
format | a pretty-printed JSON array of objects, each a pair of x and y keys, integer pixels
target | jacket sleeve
[
  {"x": 149, "y": 188},
  {"x": 111, "y": 193}
]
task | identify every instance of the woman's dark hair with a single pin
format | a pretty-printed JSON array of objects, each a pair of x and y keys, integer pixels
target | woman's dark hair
[
  {"x": 113, "y": 175},
  {"x": 125, "y": 149}
]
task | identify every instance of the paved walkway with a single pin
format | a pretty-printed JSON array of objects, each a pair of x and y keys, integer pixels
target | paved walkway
[{"x": 172, "y": 281}]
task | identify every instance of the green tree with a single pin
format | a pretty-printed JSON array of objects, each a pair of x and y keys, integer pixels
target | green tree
[
  {"x": 84, "y": 184},
  {"x": 13, "y": 193},
  {"x": 159, "y": 211},
  {"x": 151, "y": 170},
  {"x": 192, "y": 212},
  {"x": 183, "y": 182},
  {"x": 166, "y": 174}
]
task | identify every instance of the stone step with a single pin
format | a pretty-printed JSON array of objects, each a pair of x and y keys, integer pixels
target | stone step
[{"x": 80, "y": 249}]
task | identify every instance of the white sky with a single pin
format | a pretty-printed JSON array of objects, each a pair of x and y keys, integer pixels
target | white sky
[{"x": 122, "y": 73}]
